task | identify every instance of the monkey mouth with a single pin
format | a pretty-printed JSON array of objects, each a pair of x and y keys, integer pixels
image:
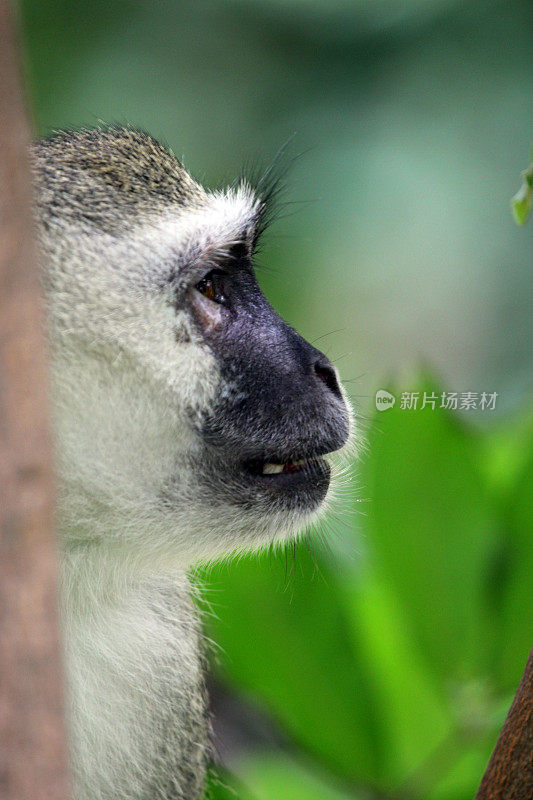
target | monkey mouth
[
  {"x": 271, "y": 481},
  {"x": 278, "y": 470},
  {"x": 273, "y": 468},
  {"x": 296, "y": 483}
]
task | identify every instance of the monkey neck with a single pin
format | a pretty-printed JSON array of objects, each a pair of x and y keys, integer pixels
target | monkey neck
[
  {"x": 95, "y": 575},
  {"x": 133, "y": 657}
]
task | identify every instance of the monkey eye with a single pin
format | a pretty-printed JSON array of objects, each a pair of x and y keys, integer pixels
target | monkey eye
[{"x": 211, "y": 287}]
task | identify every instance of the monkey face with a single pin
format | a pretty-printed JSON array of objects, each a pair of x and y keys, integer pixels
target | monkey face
[
  {"x": 279, "y": 408},
  {"x": 191, "y": 420}
]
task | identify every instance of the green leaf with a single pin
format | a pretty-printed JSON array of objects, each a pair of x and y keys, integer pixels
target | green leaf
[
  {"x": 517, "y": 622},
  {"x": 285, "y": 636},
  {"x": 277, "y": 777},
  {"x": 523, "y": 199},
  {"x": 503, "y": 454},
  {"x": 223, "y": 786},
  {"x": 505, "y": 460},
  {"x": 432, "y": 532},
  {"x": 409, "y": 700},
  {"x": 463, "y": 776}
]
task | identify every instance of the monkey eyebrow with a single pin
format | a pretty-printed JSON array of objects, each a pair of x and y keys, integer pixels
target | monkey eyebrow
[
  {"x": 233, "y": 258},
  {"x": 218, "y": 234}
]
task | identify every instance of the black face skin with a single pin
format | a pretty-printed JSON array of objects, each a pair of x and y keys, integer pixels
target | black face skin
[{"x": 282, "y": 405}]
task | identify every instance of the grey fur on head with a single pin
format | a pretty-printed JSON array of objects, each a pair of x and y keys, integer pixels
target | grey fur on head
[{"x": 191, "y": 421}]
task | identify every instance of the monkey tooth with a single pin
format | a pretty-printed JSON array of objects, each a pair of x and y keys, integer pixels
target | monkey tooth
[
  {"x": 272, "y": 469},
  {"x": 275, "y": 469}
]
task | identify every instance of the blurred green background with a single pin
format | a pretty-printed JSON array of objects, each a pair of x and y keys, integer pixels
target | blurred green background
[{"x": 378, "y": 658}]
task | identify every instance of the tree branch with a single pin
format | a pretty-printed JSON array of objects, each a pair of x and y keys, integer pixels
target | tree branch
[
  {"x": 32, "y": 752},
  {"x": 509, "y": 774}
]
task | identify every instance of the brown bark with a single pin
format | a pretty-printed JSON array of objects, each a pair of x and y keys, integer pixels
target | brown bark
[
  {"x": 509, "y": 774},
  {"x": 32, "y": 756}
]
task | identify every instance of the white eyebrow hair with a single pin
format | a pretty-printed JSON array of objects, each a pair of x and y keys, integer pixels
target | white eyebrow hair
[{"x": 209, "y": 230}]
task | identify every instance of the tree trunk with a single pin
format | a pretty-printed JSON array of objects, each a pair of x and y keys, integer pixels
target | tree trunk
[
  {"x": 32, "y": 754},
  {"x": 509, "y": 774}
]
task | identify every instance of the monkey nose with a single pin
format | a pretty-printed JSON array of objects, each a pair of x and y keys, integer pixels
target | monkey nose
[{"x": 326, "y": 373}]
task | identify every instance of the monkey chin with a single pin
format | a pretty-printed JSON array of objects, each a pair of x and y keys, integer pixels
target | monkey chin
[{"x": 255, "y": 504}]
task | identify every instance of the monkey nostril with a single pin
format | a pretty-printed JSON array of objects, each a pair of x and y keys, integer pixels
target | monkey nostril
[{"x": 327, "y": 375}]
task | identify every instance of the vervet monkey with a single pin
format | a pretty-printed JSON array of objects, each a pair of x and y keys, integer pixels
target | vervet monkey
[{"x": 191, "y": 421}]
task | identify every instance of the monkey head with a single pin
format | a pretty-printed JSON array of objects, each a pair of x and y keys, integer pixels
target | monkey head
[{"x": 191, "y": 419}]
